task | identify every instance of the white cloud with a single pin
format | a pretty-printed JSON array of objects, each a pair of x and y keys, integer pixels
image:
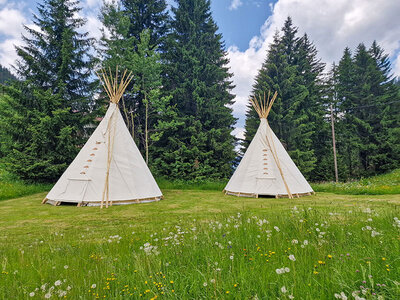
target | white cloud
[
  {"x": 93, "y": 26},
  {"x": 97, "y": 3},
  {"x": 11, "y": 21},
  {"x": 235, "y": 4},
  {"x": 238, "y": 132},
  {"x": 331, "y": 25},
  {"x": 8, "y": 54}
]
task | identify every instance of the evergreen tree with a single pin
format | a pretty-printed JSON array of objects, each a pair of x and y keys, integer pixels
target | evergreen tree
[
  {"x": 267, "y": 79},
  {"x": 50, "y": 109},
  {"x": 37, "y": 132},
  {"x": 293, "y": 70},
  {"x": 5, "y": 75},
  {"x": 201, "y": 145},
  {"x": 151, "y": 15},
  {"x": 136, "y": 31},
  {"x": 56, "y": 57},
  {"x": 368, "y": 100}
]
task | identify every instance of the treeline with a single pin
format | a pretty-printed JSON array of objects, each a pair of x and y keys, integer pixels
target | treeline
[
  {"x": 5, "y": 75},
  {"x": 177, "y": 107},
  {"x": 365, "y": 102}
]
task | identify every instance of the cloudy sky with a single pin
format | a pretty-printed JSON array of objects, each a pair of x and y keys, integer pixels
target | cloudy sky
[{"x": 248, "y": 26}]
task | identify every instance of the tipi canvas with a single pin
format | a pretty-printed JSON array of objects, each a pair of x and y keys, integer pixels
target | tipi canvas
[
  {"x": 109, "y": 169},
  {"x": 266, "y": 168}
]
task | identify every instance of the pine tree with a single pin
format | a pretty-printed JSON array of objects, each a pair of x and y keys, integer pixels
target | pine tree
[
  {"x": 5, "y": 75},
  {"x": 347, "y": 139},
  {"x": 368, "y": 103},
  {"x": 56, "y": 57},
  {"x": 151, "y": 15},
  {"x": 293, "y": 70},
  {"x": 136, "y": 33},
  {"x": 51, "y": 105},
  {"x": 37, "y": 132},
  {"x": 267, "y": 79},
  {"x": 386, "y": 125},
  {"x": 201, "y": 145}
]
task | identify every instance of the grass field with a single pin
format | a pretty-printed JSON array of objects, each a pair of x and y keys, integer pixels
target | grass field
[
  {"x": 198, "y": 244},
  {"x": 387, "y": 184},
  {"x": 11, "y": 187}
]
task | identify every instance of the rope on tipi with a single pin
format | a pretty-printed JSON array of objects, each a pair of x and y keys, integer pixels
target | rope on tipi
[
  {"x": 263, "y": 107},
  {"x": 114, "y": 90}
]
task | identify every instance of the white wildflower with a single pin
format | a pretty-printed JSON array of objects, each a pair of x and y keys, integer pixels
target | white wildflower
[
  {"x": 93, "y": 286},
  {"x": 47, "y": 296},
  {"x": 374, "y": 233},
  {"x": 31, "y": 294},
  {"x": 295, "y": 241},
  {"x": 205, "y": 284},
  {"x": 57, "y": 283},
  {"x": 66, "y": 267},
  {"x": 276, "y": 228},
  {"x": 292, "y": 258},
  {"x": 283, "y": 289}
]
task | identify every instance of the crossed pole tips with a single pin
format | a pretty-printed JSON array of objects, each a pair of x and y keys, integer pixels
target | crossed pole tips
[{"x": 114, "y": 89}]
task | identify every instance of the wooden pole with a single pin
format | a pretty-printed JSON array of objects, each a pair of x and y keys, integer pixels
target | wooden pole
[
  {"x": 334, "y": 146},
  {"x": 147, "y": 130}
]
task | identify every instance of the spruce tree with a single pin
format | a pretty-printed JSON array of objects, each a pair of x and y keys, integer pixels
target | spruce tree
[
  {"x": 136, "y": 33},
  {"x": 293, "y": 70},
  {"x": 5, "y": 75},
  {"x": 201, "y": 145},
  {"x": 151, "y": 15},
  {"x": 368, "y": 100},
  {"x": 51, "y": 105},
  {"x": 57, "y": 56}
]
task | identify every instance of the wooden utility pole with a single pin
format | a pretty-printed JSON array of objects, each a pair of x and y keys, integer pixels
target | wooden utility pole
[
  {"x": 334, "y": 146},
  {"x": 147, "y": 130}
]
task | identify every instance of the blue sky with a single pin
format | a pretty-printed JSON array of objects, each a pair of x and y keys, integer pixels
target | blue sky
[{"x": 247, "y": 27}]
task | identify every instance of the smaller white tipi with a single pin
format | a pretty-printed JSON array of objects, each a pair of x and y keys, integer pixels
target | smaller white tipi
[
  {"x": 109, "y": 169},
  {"x": 266, "y": 168}
]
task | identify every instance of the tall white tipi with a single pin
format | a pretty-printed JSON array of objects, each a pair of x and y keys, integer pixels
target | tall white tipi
[
  {"x": 266, "y": 168},
  {"x": 109, "y": 169}
]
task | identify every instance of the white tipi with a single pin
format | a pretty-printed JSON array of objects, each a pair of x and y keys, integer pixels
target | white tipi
[
  {"x": 266, "y": 168},
  {"x": 109, "y": 169}
]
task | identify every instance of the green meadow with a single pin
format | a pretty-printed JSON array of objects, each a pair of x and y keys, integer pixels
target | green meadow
[{"x": 201, "y": 244}]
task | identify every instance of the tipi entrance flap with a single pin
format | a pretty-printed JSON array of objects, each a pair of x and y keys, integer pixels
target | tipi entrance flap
[{"x": 75, "y": 189}]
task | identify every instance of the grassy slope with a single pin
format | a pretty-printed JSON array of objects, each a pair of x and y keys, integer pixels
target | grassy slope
[
  {"x": 37, "y": 241},
  {"x": 377, "y": 185},
  {"x": 10, "y": 187}
]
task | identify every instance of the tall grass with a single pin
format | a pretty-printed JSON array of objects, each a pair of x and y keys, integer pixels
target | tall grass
[
  {"x": 312, "y": 251},
  {"x": 11, "y": 187},
  {"x": 215, "y": 185},
  {"x": 377, "y": 185}
]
